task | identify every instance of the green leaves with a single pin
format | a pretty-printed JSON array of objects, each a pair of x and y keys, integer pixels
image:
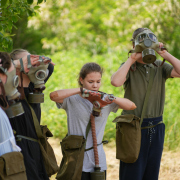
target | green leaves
[
  {"x": 29, "y": 1},
  {"x": 11, "y": 11},
  {"x": 38, "y": 1},
  {"x": 3, "y": 2},
  {"x": 5, "y": 41},
  {"x": 36, "y": 7}
]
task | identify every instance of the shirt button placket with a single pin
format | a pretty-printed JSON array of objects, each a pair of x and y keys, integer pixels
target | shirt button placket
[{"x": 147, "y": 72}]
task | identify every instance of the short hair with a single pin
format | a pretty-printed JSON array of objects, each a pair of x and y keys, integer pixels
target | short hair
[
  {"x": 87, "y": 69},
  {"x": 5, "y": 61},
  {"x": 16, "y": 52}
]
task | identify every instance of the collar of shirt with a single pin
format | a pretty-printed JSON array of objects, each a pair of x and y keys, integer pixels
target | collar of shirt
[{"x": 144, "y": 65}]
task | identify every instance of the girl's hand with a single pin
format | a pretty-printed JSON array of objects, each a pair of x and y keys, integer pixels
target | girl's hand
[{"x": 108, "y": 98}]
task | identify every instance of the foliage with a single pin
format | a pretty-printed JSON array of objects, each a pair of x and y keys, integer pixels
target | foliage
[
  {"x": 10, "y": 13},
  {"x": 100, "y": 26}
]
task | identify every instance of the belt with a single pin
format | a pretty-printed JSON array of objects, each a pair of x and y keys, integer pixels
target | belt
[
  {"x": 103, "y": 142},
  {"x": 146, "y": 127},
  {"x": 20, "y": 137}
]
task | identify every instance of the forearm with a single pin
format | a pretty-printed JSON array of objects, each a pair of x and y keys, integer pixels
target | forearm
[
  {"x": 124, "y": 103},
  {"x": 171, "y": 59},
  {"x": 60, "y": 95},
  {"x": 119, "y": 77}
]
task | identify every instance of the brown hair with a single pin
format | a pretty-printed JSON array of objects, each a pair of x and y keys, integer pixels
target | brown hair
[
  {"x": 137, "y": 31},
  {"x": 89, "y": 68},
  {"x": 16, "y": 52},
  {"x": 5, "y": 61}
]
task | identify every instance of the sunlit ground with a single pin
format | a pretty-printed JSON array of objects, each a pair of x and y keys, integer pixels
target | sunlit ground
[{"x": 170, "y": 164}]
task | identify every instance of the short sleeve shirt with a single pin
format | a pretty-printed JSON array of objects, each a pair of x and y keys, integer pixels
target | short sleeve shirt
[
  {"x": 136, "y": 85},
  {"x": 78, "y": 112}
]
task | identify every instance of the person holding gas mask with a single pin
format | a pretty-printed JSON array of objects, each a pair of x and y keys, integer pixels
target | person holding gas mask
[
  {"x": 79, "y": 109},
  {"x": 24, "y": 125},
  {"x": 134, "y": 75},
  {"x": 7, "y": 139}
]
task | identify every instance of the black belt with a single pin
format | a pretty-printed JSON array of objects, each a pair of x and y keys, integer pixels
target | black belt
[{"x": 103, "y": 142}]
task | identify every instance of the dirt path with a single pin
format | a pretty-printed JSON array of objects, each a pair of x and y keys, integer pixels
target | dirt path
[{"x": 170, "y": 164}]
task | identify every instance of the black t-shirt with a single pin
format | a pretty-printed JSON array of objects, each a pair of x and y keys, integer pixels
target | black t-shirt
[{"x": 24, "y": 125}]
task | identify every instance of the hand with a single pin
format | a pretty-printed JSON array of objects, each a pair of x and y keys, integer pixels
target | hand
[
  {"x": 161, "y": 53},
  {"x": 136, "y": 56},
  {"x": 86, "y": 93},
  {"x": 34, "y": 62},
  {"x": 109, "y": 98},
  {"x": 48, "y": 61}
]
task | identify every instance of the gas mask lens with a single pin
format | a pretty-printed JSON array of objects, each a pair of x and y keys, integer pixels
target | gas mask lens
[
  {"x": 152, "y": 37},
  {"x": 141, "y": 37},
  {"x": 40, "y": 75},
  {"x": 16, "y": 81}
]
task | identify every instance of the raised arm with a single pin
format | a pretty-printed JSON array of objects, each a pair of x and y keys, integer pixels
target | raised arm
[
  {"x": 174, "y": 61},
  {"x": 124, "y": 103},
  {"x": 119, "y": 77},
  {"x": 59, "y": 95}
]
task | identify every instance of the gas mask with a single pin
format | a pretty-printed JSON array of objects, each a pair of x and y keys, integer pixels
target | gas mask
[
  {"x": 97, "y": 98},
  {"x": 147, "y": 43},
  {"x": 10, "y": 93},
  {"x": 37, "y": 75}
]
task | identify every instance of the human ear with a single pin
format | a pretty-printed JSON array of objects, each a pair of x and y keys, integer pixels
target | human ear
[{"x": 81, "y": 80}]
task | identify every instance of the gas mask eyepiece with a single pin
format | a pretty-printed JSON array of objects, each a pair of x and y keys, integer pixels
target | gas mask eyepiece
[
  {"x": 37, "y": 75},
  {"x": 40, "y": 75},
  {"x": 9, "y": 89}
]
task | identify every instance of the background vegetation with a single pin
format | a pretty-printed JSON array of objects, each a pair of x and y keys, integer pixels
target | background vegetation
[{"x": 73, "y": 32}]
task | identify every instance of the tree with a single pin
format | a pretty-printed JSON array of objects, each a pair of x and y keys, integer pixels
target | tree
[
  {"x": 10, "y": 13},
  {"x": 103, "y": 26}
]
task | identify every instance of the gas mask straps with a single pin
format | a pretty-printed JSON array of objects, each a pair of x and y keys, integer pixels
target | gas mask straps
[{"x": 37, "y": 75}]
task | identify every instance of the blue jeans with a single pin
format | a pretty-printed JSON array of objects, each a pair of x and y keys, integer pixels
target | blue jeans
[{"x": 148, "y": 163}]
